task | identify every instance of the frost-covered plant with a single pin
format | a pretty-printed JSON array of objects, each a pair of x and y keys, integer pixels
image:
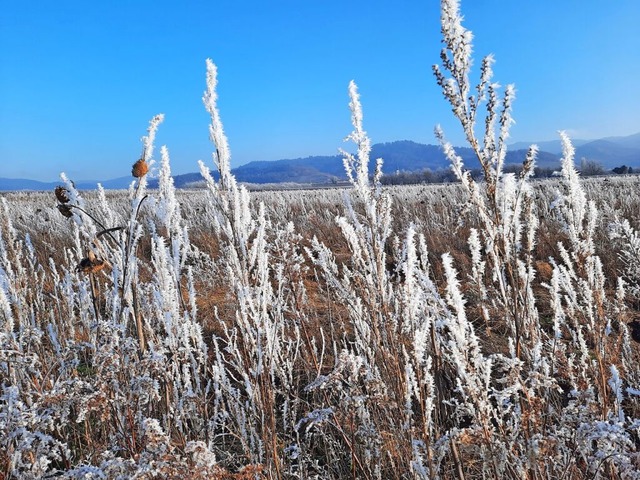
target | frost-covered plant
[
  {"x": 592, "y": 344},
  {"x": 503, "y": 203},
  {"x": 504, "y": 247},
  {"x": 234, "y": 344},
  {"x": 114, "y": 346},
  {"x": 392, "y": 306},
  {"x": 629, "y": 254},
  {"x": 367, "y": 235},
  {"x": 257, "y": 351}
]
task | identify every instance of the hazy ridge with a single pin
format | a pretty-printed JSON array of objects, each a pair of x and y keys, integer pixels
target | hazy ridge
[{"x": 398, "y": 156}]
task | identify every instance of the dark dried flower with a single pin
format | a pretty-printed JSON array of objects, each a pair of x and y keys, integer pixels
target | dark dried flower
[
  {"x": 62, "y": 194},
  {"x": 140, "y": 168},
  {"x": 91, "y": 264},
  {"x": 65, "y": 210}
]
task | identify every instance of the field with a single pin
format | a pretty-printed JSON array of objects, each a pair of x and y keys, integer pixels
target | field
[
  {"x": 314, "y": 363},
  {"x": 483, "y": 329}
]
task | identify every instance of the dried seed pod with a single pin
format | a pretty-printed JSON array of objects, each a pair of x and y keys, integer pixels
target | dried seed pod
[
  {"x": 140, "y": 168},
  {"x": 87, "y": 266},
  {"x": 65, "y": 210},
  {"x": 90, "y": 264},
  {"x": 62, "y": 194}
]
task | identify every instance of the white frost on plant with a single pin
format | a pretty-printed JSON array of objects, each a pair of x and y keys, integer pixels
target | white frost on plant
[
  {"x": 149, "y": 139},
  {"x": 314, "y": 418},
  {"x": 216, "y": 130}
]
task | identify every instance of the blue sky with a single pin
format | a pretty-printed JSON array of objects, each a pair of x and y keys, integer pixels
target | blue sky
[{"x": 80, "y": 80}]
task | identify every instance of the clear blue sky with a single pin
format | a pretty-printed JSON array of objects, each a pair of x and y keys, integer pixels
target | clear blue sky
[{"x": 79, "y": 80}]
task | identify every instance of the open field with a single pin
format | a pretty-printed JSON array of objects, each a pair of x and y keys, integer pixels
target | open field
[
  {"x": 143, "y": 380},
  {"x": 484, "y": 329}
]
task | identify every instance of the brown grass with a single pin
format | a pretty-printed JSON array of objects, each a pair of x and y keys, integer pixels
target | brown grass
[{"x": 445, "y": 229}]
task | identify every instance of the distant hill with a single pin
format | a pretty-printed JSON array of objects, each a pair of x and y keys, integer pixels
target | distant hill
[
  {"x": 11, "y": 184},
  {"x": 551, "y": 146},
  {"x": 611, "y": 152},
  {"x": 14, "y": 184},
  {"x": 630, "y": 141},
  {"x": 399, "y": 156},
  {"x": 301, "y": 170}
]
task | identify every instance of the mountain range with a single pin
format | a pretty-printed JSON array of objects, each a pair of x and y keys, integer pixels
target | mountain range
[{"x": 399, "y": 156}]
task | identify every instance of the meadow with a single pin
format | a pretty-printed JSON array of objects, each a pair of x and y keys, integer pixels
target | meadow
[{"x": 483, "y": 329}]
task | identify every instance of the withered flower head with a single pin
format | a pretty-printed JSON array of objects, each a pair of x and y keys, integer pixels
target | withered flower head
[
  {"x": 91, "y": 264},
  {"x": 65, "y": 210},
  {"x": 140, "y": 168},
  {"x": 62, "y": 194}
]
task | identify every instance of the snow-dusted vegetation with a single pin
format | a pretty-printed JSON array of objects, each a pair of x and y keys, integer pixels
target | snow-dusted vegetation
[{"x": 476, "y": 330}]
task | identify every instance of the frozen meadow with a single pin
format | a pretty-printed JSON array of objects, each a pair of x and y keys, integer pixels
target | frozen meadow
[{"x": 475, "y": 330}]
